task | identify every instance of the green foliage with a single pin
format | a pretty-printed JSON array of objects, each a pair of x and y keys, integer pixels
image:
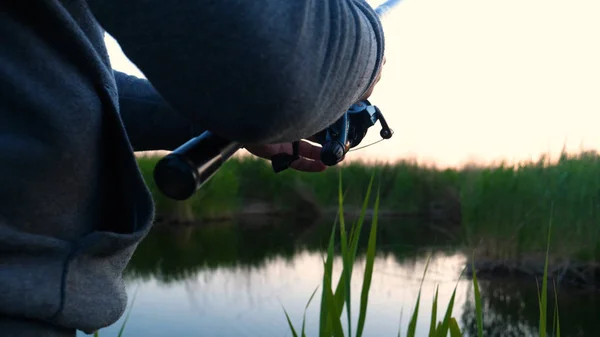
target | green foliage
[
  {"x": 506, "y": 209},
  {"x": 544, "y": 294},
  {"x": 501, "y": 209},
  {"x": 332, "y": 302},
  {"x": 478, "y": 310}
]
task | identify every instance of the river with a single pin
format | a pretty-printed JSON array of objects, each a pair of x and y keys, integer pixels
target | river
[{"x": 235, "y": 278}]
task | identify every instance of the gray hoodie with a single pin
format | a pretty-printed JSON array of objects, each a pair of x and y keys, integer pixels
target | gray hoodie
[{"x": 73, "y": 204}]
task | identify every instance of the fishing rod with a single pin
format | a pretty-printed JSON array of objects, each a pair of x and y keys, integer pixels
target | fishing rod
[{"x": 182, "y": 172}]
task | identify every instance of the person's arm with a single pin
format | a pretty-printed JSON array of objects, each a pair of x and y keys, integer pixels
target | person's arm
[
  {"x": 149, "y": 121},
  {"x": 252, "y": 71}
]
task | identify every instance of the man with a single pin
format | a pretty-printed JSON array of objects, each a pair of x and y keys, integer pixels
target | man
[{"x": 73, "y": 205}]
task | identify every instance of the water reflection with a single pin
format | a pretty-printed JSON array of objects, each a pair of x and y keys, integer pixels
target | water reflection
[
  {"x": 176, "y": 253},
  {"x": 233, "y": 279},
  {"x": 510, "y": 309}
]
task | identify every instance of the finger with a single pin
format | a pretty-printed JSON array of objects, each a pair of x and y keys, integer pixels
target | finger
[
  {"x": 267, "y": 151},
  {"x": 307, "y": 165},
  {"x": 310, "y": 151}
]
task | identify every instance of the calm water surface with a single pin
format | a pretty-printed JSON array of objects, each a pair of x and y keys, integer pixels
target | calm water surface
[{"x": 233, "y": 279}]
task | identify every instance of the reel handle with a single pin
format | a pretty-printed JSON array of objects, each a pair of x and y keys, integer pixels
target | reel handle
[{"x": 182, "y": 172}]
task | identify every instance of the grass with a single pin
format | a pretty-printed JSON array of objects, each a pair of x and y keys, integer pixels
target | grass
[
  {"x": 501, "y": 211},
  {"x": 337, "y": 297},
  {"x": 333, "y": 300},
  {"x": 407, "y": 187},
  {"x": 505, "y": 209}
]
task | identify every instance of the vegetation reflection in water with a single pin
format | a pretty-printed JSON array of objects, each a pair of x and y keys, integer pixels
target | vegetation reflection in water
[
  {"x": 233, "y": 279},
  {"x": 501, "y": 211},
  {"x": 176, "y": 258},
  {"x": 207, "y": 281}
]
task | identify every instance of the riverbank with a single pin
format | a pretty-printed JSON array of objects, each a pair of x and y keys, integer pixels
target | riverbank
[
  {"x": 502, "y": 213},
  {"x": 248, "y": 185}
]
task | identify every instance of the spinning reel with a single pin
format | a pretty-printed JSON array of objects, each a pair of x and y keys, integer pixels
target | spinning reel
[
  {"x": 182, "y": 172},
  {"x": 346, "y": 133}
]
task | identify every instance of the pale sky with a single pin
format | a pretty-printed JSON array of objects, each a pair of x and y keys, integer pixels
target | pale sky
[{"x": 482, "y": 80}]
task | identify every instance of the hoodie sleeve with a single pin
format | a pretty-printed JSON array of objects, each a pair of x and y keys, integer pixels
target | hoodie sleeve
[
  {"x": 252, "y": 71},
  {"x": 150, "y": 123}
]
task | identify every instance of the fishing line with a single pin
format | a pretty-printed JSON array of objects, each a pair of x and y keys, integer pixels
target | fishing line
[{"x": 362, "y": 147}]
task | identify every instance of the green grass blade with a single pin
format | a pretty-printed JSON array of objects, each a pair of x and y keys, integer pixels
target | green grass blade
[
  {"x": 554, "y": 320},
  {"x": 358, "y": 228},
  {"x": 370, "y": 261},
  {"x": 400, "y": 323},
  {"x": 311, "y": 298},
  {"x": 342, "y": 291},
  {"x": 341, "y": 200},
  {"x": 294, "y": 333},
  {"x": 544, "y": 294},
  {"x": 334, "y": 318},
  {"x": 454, "y": 329},
  {"x": 347, "y": 264},
  {"x": 128, "y": 313},
  {"x": 302, "y": 333},
  {"x": 443, "y": 330},
  {"x": 478, "y": 310},
  {"x": 324, "y": 322},
  {"x": 537, "y": 286},
  {"x": 434, "y": 314},
  {"x": 412, "y": 325},
  {"x": 96, "y": 334},
  {"x": 340, "y": 295},
  {"x": 556, "y": 313}
]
